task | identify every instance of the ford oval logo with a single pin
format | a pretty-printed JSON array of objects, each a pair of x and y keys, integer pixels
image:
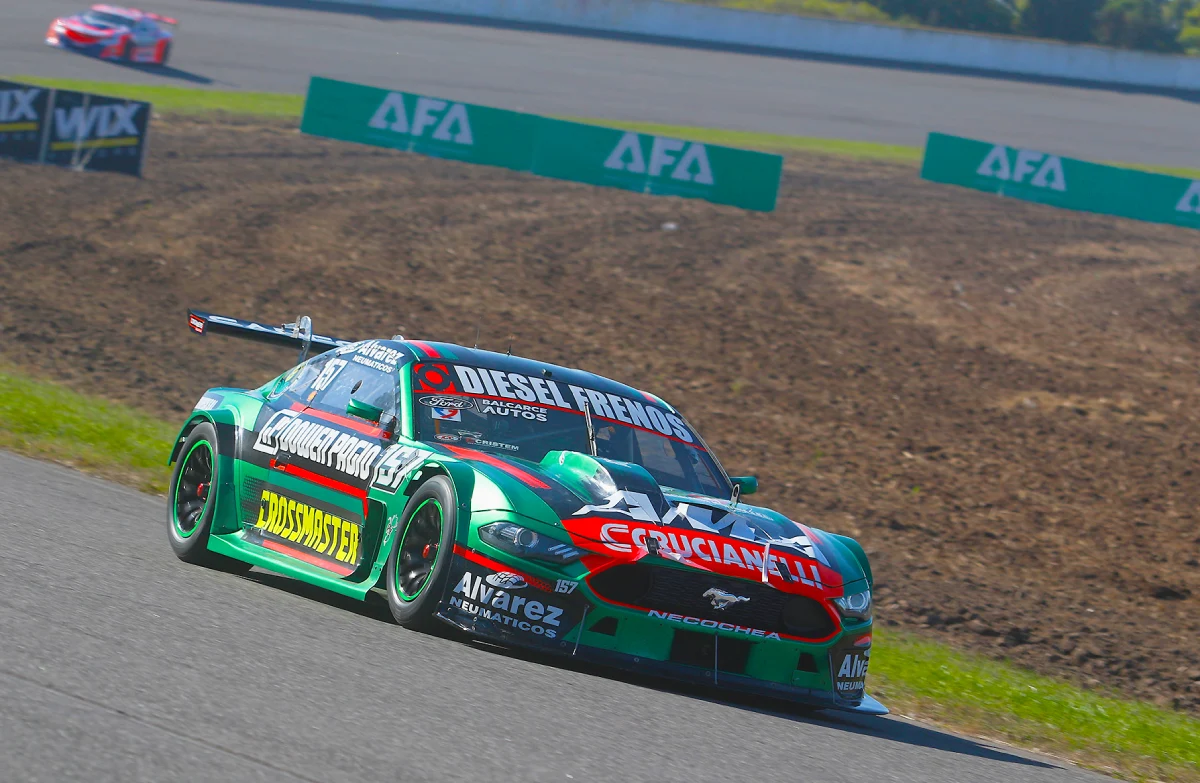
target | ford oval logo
[{"x": 457, "y": 403}]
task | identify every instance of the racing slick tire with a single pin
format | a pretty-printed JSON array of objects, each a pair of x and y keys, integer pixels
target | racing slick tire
[
  {"x": 191, "y": 504},
  {"x": 166, "y": 55},
  {"x": 419, "y": 563}
]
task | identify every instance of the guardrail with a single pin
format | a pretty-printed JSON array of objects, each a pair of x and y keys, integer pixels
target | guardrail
[{"x": 662, "y": 19}]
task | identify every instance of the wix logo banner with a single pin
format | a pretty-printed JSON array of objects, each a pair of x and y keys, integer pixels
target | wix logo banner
[
  {"x": 17, "y": 105},
  {"x": 22, "y": 110},
  {"x": 97, "y": 133},
  {"x": 95, "y": 122}
]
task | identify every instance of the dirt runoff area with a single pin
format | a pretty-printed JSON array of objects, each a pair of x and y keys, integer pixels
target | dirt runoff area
[{"x": 1000, "y": 400}]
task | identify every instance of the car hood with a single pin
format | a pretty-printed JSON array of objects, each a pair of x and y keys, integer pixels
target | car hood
[
  {"x": 617, "y": 509},
  {"x": 80, "y": 24}
]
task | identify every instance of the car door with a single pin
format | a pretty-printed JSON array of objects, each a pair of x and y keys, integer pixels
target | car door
[
  {"x": 255, "y": 460},
  {"x": 144, "y": 33},
  {"x": 323, "y": 436}
]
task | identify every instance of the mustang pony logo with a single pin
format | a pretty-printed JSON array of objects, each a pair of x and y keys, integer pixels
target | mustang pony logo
[{"x": 721, "y": 599}]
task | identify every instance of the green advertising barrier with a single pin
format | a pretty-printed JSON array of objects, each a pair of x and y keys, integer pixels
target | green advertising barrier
[
  {"x": 1061, "y": 182},
  {"x": 550, "y": 148},
  {"x": 658, "y": 165},
  {"x": 416, "y": 123}
]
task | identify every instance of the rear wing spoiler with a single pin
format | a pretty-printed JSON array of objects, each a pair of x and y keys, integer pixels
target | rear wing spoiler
[
  {"x": 161, "y": 19},
  {"x": 298, "y": 335}
]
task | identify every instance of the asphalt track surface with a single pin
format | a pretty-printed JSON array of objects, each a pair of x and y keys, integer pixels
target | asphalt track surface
[
  {"x": 118, "y": 662},
  {"x": 274, "y": 45}
]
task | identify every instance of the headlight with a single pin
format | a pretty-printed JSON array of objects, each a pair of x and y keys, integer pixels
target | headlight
[
  {"x": 523, "y": 542},
  {"x": 856, "y": 606}
]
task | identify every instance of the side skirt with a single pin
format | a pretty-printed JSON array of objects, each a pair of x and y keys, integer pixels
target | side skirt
[{"x": 232, "y": 545}]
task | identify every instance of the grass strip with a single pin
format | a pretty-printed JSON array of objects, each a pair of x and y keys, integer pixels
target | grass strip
[
  {"x": 913, "y": 676},
  {"x": 183, "y": 100},
  {"x": 47, "y": 421},
  {"x": 863, "y": 150},
  {"x": 995, "y": 699},
  {"x": 847, "y": 10},
  {"x": 191, "y": 102},
  {"x": 771, "y": 142}
]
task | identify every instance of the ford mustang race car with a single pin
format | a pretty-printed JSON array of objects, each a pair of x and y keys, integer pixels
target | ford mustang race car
[
  {"x": 113, "y": 33},
  {"x": 523, "y": 503}
]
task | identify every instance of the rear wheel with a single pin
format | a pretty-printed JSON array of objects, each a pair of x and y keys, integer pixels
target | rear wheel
[
  {"x": 420, "y": 558},
  {"x": 191, "y": 501},
  {"x": 166, "y": 55}
]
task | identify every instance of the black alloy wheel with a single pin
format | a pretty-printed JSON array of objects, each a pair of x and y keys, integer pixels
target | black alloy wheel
[
  {"x": 419, "y": 562},
  {"x": 192, "y": 501}
]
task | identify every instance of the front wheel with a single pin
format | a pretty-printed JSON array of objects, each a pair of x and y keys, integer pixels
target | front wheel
[
  {"x": 191, "y": 501},
  {"x": 420, "y": 558}
]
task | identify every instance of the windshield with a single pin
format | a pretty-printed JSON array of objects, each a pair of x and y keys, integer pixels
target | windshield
[
  {"x": 104, "y": 19},
  {"x": 527, "y": 416}
]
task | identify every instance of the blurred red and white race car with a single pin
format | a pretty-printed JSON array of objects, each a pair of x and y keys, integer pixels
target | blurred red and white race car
[{"x": 113, "y": 33}]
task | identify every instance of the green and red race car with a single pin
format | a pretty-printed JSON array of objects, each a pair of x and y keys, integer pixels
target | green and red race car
[{"x": 524, "y": 503}]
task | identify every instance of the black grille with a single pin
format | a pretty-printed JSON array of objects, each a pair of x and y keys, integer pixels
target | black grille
[
  {"x": 251, "y": 496},
  {"x": 702, "y": 649},
  {"x": 680, "y": 591}
]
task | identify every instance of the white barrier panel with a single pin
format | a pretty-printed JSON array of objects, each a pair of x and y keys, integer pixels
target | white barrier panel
[{"x": 687, "y": 22}]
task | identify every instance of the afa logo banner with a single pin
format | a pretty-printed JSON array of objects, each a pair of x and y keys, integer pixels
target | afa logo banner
[
  {"x": 1033, "y": 175},
  {"x": 72, "y": 129},
  {"x": 1190, "y": 201},
  {"x": 573, "y": 151},
  {"x": 658, "y": 165}
]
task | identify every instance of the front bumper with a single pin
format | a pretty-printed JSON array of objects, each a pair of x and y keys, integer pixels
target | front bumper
[
  {"x": 562, "y": 617},
  {"x": 733, "y": 682},
  {"x": 102, "y": 51}
]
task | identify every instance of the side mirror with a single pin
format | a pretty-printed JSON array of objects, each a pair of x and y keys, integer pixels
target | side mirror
[
  {"x": 364, "y": 410},
  {"x": 747, "y": 485}
]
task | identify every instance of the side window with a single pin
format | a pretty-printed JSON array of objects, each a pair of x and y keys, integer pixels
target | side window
[
  {"x": 343, "y": 379},
  {"x": 298, "y": 379}
]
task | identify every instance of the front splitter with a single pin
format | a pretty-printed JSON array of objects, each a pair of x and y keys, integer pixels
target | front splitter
[
  {"x": 738, "y": 683},
  {"x": 668, "y": 670}
]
